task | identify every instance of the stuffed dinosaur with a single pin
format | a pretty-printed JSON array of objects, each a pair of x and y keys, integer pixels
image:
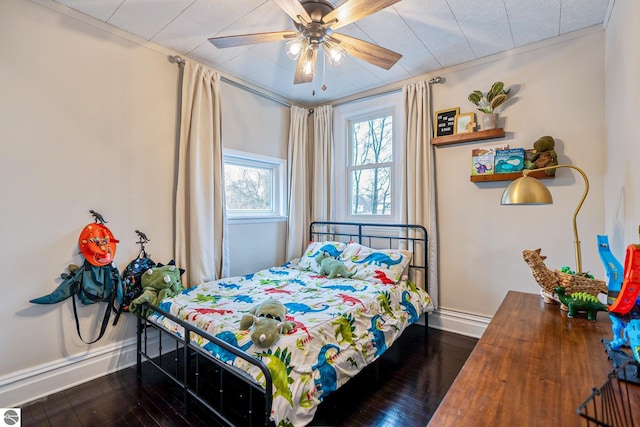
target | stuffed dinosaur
[
  {"x": 331, "y": 267},
  {"x": 158, "y": 283},
  {"x": 545, "y": 154},
  {"x": 268, "y": 323}
]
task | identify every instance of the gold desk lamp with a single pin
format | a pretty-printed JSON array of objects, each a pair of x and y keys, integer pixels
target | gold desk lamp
[{"x": 527, "y": 190}]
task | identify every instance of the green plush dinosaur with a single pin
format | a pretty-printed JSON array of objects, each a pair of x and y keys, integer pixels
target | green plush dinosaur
[
  {"x": 158, "y": 283},
  {"x": 268, "y": 321},
  {"x": 580, "y": 301},
  {"x": 331, "y": 267},
  {"x": 544, "y": 154}
]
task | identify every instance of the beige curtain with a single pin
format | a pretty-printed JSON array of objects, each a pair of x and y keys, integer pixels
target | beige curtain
[
  {"x": 298, "y": 184},
  {"x": 322, "y": 180},
  {"x": 200, "y": 221},
  {"x": 419, "y": 190}
]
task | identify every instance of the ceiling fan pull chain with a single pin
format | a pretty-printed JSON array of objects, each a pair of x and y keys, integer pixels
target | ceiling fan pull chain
[{"x": 324, "y": 69}]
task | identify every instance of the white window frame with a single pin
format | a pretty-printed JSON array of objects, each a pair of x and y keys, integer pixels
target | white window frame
[
  {"x": 278, "y": 168},
  {"x": 344, "y": 115}
]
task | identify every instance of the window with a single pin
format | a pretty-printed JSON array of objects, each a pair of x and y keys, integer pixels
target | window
[
  {"x": 370, "y": 164},
  {"x": 254, "y": 186},
  {"x": 368, "y": 159}
]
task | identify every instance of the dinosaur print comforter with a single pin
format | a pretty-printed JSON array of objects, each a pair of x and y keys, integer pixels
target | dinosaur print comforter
[{"x": 342, "y": 325}]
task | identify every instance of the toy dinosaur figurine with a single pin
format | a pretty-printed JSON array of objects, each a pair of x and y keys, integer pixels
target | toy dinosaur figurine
[
  {"x": 580, "y": 301},
  {"x": 549, "y": 279},
  {"x": 98, "y": 217}
]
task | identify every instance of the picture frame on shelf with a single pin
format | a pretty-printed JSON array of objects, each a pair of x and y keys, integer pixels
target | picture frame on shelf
[
  {"x": 465, "y": 123},
  {"x": 445, "y": 121}
]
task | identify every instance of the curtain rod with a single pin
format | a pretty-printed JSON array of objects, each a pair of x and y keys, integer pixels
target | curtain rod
[
  {"x": 178, "y": 60},
  {"x": 430, "y": 82}
]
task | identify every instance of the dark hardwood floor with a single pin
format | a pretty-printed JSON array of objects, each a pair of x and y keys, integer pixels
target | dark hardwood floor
[{"x": 412, "y": 378}]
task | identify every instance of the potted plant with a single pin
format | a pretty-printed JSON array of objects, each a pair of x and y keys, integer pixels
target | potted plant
[{"x": 489, "y": 102}]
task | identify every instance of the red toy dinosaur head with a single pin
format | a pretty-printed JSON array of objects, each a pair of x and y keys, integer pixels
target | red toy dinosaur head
[{"x": 97, "y": 244}]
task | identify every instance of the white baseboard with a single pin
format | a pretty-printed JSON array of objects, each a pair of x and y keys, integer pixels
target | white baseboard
[
  {"x": 35, "y": 383},
  {"x": 459, "y": 323}
]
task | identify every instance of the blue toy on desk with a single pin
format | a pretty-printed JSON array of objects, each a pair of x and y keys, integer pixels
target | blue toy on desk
[{"x": 624, "y": 315}]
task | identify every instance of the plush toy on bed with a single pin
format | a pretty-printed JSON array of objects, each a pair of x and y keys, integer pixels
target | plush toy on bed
[
  {"x": 331, "y": 266},
  {"x": 268, "y": 322},
  {"x": 158, "y": 283}
]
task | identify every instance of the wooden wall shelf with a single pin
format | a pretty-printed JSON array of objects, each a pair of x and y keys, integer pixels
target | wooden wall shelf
[
  {"x": 508, "y": 176},
  {"x": 468, "y": 137}
]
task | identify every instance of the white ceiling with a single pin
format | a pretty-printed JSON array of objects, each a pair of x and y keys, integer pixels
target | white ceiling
[{"x": 430, "y": 34}]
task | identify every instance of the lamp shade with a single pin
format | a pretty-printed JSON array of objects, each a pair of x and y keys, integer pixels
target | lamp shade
[
  {"x": 293, "y": 48},
  {"x": 526, "y": 191},
  {"x": 335, "y": 53}
]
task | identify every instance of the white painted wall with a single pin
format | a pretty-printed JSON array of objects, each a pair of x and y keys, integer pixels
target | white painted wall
[
  {"x": 557, "y": 90},
  {"x": 622, "y": 108},
  {"x": 89, "y": 121}
]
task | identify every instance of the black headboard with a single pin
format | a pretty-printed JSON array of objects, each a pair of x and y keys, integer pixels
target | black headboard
[{"x": 380, "y": 236}]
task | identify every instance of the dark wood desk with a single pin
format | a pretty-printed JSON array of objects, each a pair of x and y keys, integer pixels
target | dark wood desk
[{"x": 533, "y": 366}]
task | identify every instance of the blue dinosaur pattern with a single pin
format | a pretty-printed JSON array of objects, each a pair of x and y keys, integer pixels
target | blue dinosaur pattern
[
  {"x": 378, "y": 335},
  {"x": 229, "y": 285},
  {"x": 409, "y": 308},
  {"x": 222, "y": 354},
  {"x": 379, "y": 258},
  {"x": 297, "y": 307},
  {"x": 330, "y": 249},
  {"x": 328, "y": 379},
  {"x": 243, "y": 298}
]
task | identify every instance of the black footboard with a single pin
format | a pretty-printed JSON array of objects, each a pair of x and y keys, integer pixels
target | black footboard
[{"x": 230, "y": 394}]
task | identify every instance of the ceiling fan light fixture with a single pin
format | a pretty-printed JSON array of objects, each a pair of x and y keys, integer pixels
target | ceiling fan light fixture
[
  {"x": 335, "y": 53},
  {"x": 309, "y": 67},
  {"x": 294, "y": 48},
  {"x": 315, "y": 22}
]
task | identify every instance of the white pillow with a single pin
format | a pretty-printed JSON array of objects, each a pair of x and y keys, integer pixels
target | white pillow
[
  {"x": 308, "y": 260},
  {"x": 375, "y": 265}
]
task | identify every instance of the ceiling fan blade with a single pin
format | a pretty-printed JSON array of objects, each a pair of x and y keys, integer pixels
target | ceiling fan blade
[
  {"x": 372, "y": 53},
  {"x": 245, "y": 39},
  {"x": 309, "y": 57},
  {"x": 294, "y": 9},
  {"x": 353, "y": 10}
]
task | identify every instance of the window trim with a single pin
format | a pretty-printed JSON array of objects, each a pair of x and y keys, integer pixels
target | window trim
[
  {"x": 344, "y": 115},
  {"x": 279, "y": 186}
]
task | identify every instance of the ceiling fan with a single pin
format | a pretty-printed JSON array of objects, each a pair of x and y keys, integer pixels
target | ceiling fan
[{"x": 315, "y": 22}]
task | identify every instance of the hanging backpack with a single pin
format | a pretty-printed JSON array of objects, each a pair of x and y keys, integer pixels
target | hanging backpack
[
  {"x": 132, "y": 275},
  {"x": 97, "y": 280}
]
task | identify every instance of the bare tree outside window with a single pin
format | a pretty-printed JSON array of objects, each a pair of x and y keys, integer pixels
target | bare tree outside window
[
  {"x": 248, "y": 188},
  {"x": 370, "y": 166}
]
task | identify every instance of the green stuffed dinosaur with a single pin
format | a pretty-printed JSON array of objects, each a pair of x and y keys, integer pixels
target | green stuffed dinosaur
[
  {"x": 158, "y": 283},
  {"x": 268, "y": 321},
  {"x": 331, "y": 266}
]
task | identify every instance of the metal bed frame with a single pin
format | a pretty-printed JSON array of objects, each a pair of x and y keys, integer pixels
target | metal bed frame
[{"x": 213, "y": 383}]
